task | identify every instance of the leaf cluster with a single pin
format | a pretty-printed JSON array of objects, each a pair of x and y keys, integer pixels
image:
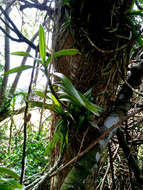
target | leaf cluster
[{"x": 65, "y": 100}]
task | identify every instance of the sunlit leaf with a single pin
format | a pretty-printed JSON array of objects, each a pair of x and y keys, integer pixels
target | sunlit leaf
[
  {"x": 4, "y": 171},
  {"x": 66, "y": 52},
  {"x": 51, "y": 107},
  {"x": 21, "y": 53},
  {"x": 55, "y": 100},
  {"x": 18, "y": 69},
  {"x": 136, "y": 13},
  {"x": 39, "y": 93},
  {"x": 40, "y": 104},
  {"x": 42, "y": 43},
  {"x": 71, "y": 52},
  {"x": 88, "y": 93}
]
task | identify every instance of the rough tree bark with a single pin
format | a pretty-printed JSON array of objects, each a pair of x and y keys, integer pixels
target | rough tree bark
[{"x": 102, "y": 33}]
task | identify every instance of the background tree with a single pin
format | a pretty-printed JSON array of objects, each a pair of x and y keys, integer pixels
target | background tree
[{"x": 7, "y": 61}]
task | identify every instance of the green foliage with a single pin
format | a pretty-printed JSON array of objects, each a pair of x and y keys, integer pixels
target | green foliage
[
  {"x": 79, "y": 110},
  {"x": 69, "y": 93},
  {"x": 5, "y": 107},
  {"x": 9, "y": 183},
  {"x": 21, "y": 53},
  {"x": 35, "y": 159},
  {"x": 134, "y": 17},
  {"x": 42, "y": 44},
  {"x": 76, "y": 102},
  {"x": 4, "y": 170},
  {"x": 18, "y": 69},
  {"x": 42, "y": 48}
]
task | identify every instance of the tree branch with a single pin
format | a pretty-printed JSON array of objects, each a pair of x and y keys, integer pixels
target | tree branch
[
  {"x": 37, "y": 5},
  {"x": 13, "y": 27}
]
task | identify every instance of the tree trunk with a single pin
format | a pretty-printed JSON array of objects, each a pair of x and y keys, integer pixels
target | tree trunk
[
  {"x": 101, "y": 33},
  {"x": 7, "y": 60}
]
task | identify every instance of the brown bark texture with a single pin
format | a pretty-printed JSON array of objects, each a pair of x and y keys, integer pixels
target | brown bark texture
[{"x": 102, "y": 35}]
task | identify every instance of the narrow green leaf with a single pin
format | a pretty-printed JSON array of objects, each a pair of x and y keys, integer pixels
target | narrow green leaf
[
  {"x": 69, "y": 89},
  {"x": 69, "y": 92},
  {"x": 18, "y": 69},
  {"x": 55, "y": 100},
  {"x": 51, "y": 107},
  {"x": 66, "y": 52},
  {"x": 90, "y": 106},
  {"x": 93, "y": 124},
  {"x": 4, "y": 170},
  {"x": 42, "y": 44},
  {"x": 61, "y": 53},
  {"x": 136, "y": 13},
  {"x": 88, "y": 93},
  {"x": 21, "y": 53},
  {"x": 39, "y": 93},
  {"x": 40, "y": 104},
  {"x": 67, "y": 140}
]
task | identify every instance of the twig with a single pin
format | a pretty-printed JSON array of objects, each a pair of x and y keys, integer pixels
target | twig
[
  {"x": 25, "y": 124},
  {"x": 108, "y": 167},
  {"x": 17, "y": 32},
  {"x": 131, "y": 160},
  {"x": 133, "y": 89},
  {"x": 47, "y": 73},
  {"x": 83, "y": 138},
  {"x": 40, "y": 180},
  {"x": 37, "y": 5},
  {"x": 107, "y": 51},
  {"x": 111, "y": 166},
  {"x": 138, "y": 5}
]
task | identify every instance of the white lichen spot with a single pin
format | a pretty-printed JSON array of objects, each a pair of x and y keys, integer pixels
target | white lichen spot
[
  {"x": 95, "y": 166},
  {"x": 102, "y": 143},
  {"x": 121, "y": 96},
  {"x": 97, "y": 156},
  {"x": 111, "y": 120},
  {"x": 84, "y": 181},
  {"x": 55, "y": 181}
]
